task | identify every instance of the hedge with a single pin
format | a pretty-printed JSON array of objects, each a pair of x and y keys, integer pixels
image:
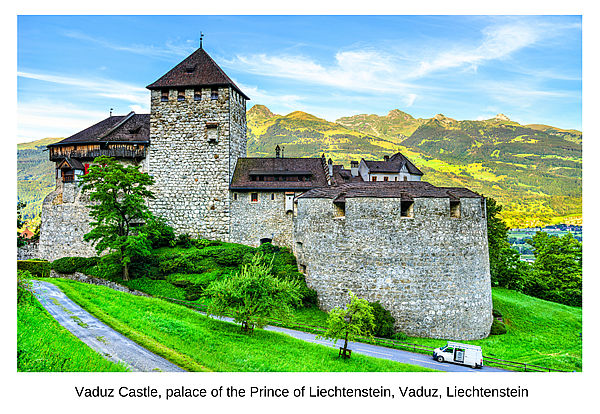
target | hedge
[
  {"x": 38, "y": 268},
  {"x": 73, "y": 264}
]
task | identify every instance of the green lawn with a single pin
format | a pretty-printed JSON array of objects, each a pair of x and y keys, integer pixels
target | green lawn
[
  {"x": 43, "y": 345},
  {"x": 539, "y": 332},
  {"x": 196, "y": 342}
]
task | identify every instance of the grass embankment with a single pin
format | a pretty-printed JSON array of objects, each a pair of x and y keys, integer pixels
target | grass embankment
[
  {"x": 196, "y": 342},
  {"x": 43, "y": 345},
  {"x": 538, "y": 332}
]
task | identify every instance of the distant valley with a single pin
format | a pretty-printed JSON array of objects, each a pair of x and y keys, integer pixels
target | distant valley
[{"x": 534, "y": 171}]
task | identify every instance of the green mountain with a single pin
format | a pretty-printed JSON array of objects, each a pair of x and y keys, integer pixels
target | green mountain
[
  {"x": 35, "y": 175},
  {"x": 533, "y": 170}
]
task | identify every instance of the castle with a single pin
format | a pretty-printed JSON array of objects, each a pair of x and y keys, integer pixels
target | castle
[{"x": 375, "y": 229}]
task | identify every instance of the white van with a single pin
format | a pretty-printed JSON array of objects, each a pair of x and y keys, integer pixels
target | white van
[{"x": 464, "y": 354}]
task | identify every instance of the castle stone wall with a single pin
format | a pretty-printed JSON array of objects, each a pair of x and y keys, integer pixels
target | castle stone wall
[
  {"x": 251, "y": 222},
  {"x": 430, "y": 271},
  {"x": 65, "y": 220},
  {"x": 192, "y": 174}
]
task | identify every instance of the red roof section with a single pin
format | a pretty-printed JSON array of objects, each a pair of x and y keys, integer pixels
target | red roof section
[{"x": 198, "y": 69}]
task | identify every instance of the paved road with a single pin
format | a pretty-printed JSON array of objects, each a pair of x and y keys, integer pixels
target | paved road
[
  {"x": 96, "y": 334},
  {"x": 117, "y": 347}
]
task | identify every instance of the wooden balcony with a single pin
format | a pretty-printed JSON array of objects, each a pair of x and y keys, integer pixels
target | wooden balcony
[{"x": 58, "y": 153}]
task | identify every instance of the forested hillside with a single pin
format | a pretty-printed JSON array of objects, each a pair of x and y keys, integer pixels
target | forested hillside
[{"x": 533, "y": 170}]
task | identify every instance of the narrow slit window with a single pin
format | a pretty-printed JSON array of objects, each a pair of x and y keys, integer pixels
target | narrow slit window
[
  {"x": 254, "y": 197},
  {"x": 164, "y": 95},
  {"x": 374, "y": 178},
  {"x": 454, "y": 209},
  {"x": 407, "y": 209}
]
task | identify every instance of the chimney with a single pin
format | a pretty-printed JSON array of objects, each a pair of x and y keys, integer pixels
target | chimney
[
  {"x": 354, "y": 168},
  {"x": 386, "y": 158},
  {"x": 277, "y": 151},
  {"x": 330, "y": 165}
]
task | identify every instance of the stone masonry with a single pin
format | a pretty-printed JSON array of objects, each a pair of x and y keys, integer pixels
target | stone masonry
[{"x": 430, "y": 271}]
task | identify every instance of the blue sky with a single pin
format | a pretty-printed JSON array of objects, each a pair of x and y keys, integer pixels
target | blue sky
[{"x": 72, "y": 69}]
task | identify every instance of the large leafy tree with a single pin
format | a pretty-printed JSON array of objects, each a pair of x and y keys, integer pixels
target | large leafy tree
[
  {"x": 557, "y": 270},
  {"x": 353, "y": 321},
  {"x": 506, "y": 268},
  {"x": 253, "y": 294},
  {"x": 119, "y": 211}
]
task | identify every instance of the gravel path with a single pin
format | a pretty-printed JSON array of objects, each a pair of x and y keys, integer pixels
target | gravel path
[{"x": 96, "y": 334}]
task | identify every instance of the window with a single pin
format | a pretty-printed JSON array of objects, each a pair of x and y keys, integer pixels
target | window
[
  {"x": 455, "y": 209},
  {"x": 87, "y": 169},
  {"x": 181, "y": 95},
  {"x": 339, "y": 209},
  {"x": 303, "y": 269},
  {"x": 212, "y": 132},
  {"x": 395, "y": 178},
  {"x": 374, "y": 178},
  {"x": 385, "y": 178},
  {"x": 405, "y": 178},
  {"x": 406, "y": 209},
  {"x": 272, "y": 196},
  {"x": 197, "y": 94},
  {"x": 254, "y": 197},
  {"x": 235, "y": 196},
  {"x": 164, "y": 95},
  {"x": 214, "y": 93}
]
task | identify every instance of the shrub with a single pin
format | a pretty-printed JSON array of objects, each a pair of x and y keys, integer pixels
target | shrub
[
  {"x": 383, "y": 321},
  {"x": 184, "y": 240},
  {"x": 24, "y": 286},
  {"x": 498, "y": 328},
  {"x": 232, "y": 255},
  {"x": 400, "y": 336},
  {"x": 202, "y": 243},
  {"x": 74, "y": 264},
  {"x": 160, "y": 234},
  {"x": 38, "y": 268}
]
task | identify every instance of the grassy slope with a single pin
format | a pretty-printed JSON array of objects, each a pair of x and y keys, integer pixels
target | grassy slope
[
  {"x": 43, "y": 345},
  {"x": 539, "y": 332},
  {"x": 197, "y": 342}
]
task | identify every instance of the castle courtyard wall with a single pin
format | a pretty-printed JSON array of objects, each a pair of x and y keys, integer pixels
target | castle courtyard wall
[
  {"x": 430, "y": 271},
  {"x": 265, "y": 219}
]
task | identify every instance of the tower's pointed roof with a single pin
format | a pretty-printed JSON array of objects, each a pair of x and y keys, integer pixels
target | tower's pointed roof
[{"x": 198, "y": 69}]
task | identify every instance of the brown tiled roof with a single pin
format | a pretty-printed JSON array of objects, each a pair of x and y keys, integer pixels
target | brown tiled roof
[
  {"x": 132, "y": 127},
  {"x": 406, "y": 190},
  {"x": 198, "y": 69},
  {"x": 394, "y": 165},
  {"x": 286, "y": 168}
]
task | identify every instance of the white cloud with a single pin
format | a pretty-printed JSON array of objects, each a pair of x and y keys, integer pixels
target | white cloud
[
  {"x": 41, "y": 119},
  {"x": 169, "y": 50},
  {"x": 101, "y": 87}
]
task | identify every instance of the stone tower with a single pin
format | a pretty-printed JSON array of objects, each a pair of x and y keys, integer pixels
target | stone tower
[{"x": 197, "y": 133}]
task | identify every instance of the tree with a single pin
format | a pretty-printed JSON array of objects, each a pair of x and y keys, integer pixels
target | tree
[
  {"x": 557, "y": 270},
  {"x": 506, "y": 268},
  {"x": 119, "y": 210},
  {"x": 351, "y": 322},
  {"x": 20, "y": 206},
  {"x": 253, "y": 294}
]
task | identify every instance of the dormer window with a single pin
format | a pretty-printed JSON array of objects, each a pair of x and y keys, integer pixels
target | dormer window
[
  {"x": 214, "y": 93},
  {"x": 181, "y": 95},
  {"x": 197, "y": 94},
  {"x": 164, "y": 95}
]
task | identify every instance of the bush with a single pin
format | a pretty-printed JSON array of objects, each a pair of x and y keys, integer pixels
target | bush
[
  {"x": 383, "y": 321},
  {"x": 400, "y": 336},
  {"x": 231, "y": 255},
  {"x": 160, "y": 234},
  {"x": 184, "y": 240},
  {"x": 202, "y": 243},
  {"x": 498, "y": 328},
  {"x": 24, "y": 286},
  {"x": 74, "y": 264},
  {"x": 38, "y": 268}
]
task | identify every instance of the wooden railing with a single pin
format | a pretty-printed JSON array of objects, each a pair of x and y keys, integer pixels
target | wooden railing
[
  {"x": 56, "y": 155},
  {"x": 390, "y": 343}
]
